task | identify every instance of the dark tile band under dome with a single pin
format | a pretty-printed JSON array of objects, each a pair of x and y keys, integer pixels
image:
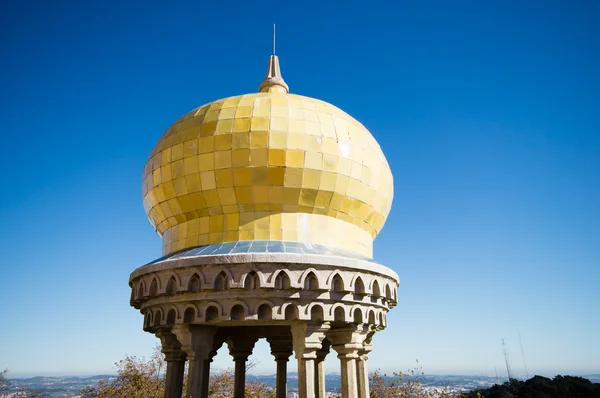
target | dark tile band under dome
[{"x": 262, "y": 246}]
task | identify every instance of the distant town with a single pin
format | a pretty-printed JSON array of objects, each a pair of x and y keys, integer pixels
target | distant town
[{"x": 70, "y": 387}]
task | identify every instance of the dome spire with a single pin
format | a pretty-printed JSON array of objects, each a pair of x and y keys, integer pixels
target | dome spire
[{"x": 273, "y": 82}]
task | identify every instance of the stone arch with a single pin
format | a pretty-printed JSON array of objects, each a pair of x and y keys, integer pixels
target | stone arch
[
  {"x": 304, "y": 275},
  {"x": 311, "y": 282},
  {"x": 189, "y": 315},
  {"x": 252, "y": 280},
  {"x": 382, "y": 319},
  {"x": 359, "y": 285},
  {"x": 237, "y": 312},
  {"x": 171, "y": 316},
  {"x": 375, "y": 288},
  {"x": 291, "y": 312},
  {"x": 265, "y": 312},
  {"x": 140, "y": 290},
  {"x": 371, "y": 317},
  {"x": 336, "y": 282},
  {"x": 228, "y": 275},
  {"x": 388, "y": 292},
  {"x": 147, "y": 319},
  {"x": 154, "y": 286},
  {"x": 157, "y": 318},
  {"x": 316, "y": 313},
  {"x": 260, "y": 303},
  {"x": 212, "y": 311},
  {"x": 194, "y": 283},
  {"x": 339, "y": 314},
  {"x": 282, "y": 279},
  {"x": 221, "y": 281},
  {"x": 357, "y": 315},
  {"x": 171, "y": 285}
]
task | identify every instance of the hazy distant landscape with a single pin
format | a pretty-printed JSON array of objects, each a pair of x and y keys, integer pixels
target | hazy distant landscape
[{"x": 70, "y": 387}]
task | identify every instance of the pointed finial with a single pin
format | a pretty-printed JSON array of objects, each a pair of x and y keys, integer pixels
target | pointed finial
[{"x": 273, "y": 82}]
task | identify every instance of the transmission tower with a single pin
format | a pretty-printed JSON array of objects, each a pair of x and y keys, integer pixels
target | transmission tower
[
  {"x": 506, "y": 360},
  {"x": 523, "y": 354}
]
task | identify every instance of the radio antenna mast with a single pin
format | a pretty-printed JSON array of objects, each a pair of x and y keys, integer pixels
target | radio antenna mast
[
  {"x": 523, "y": 354},
  {"x": 506, "y": 360}
]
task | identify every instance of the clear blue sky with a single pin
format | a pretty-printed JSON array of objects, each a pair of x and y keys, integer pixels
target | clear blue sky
[{"x": 488, "y": 112}]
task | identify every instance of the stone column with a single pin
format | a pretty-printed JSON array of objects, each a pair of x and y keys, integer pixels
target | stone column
[
  {"x": 320, "y": 390},
  {"x": 175, "y": 358},
  {"x": 362, "y": 371},
  {"x": 347, "y": 341},
  {"x": 281, "y": 349},
  {"x": 197, "y": 341},
  {"x": 307, "y": 339},
  {"x": 240, "y": 348}
]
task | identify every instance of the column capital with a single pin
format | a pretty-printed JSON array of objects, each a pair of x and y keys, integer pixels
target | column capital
[
  {"x": 281, "y": 347},
  {"x": 348, "y": 341},
  {"x": 308, "y": 338},
  {"x": 196, "y": 340},
  {"x": 240, "y": 347}
]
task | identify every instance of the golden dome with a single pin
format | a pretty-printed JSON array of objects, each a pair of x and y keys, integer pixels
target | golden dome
[{"x": 267, "y": 166}]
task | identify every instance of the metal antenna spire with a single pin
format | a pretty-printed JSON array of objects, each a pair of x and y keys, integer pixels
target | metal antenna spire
[
  {"x": 523, "y": 355},
  {"x": 273, "y": 39}
]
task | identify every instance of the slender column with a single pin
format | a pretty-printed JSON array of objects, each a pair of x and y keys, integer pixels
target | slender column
[
  {"x": 240, "y": 348},
  {"x": 175, "y": 358},
  {"x": 362, "y": 371},
  {"x": 347, "y": 342},
  {"x": 320, "y": 390},
  {"x": 197, "y": 341},
  {"x": 281, "y": 349},
  {"x": 307, "y": 338}
]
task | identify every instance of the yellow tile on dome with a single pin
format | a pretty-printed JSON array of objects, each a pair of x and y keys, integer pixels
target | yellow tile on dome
[
  {"x": 227, "y": 196},
  {"x": 207, "y": 128},
  {"x": 344, "y": 166},
  {"x": 313, "y": 160},
  {"x": 165, "y": 155},
  {"x": 186, "y": 204},
  {"x": 240, "y": 157},
  {"x": 224, "y": 178},
  {"x": 259, "y": 124},
  {"x": 156, "y": 176},
  {"x": 231, "y": 222},
  {"x": 247, "y": 235},
  {"x": 207, "y": 179},
  {"x": 310, "y": 116},
  {"x": 275, "y": 195},
  {"x": 243, "y": 194},
  {"x": 294, "y": 158},
  {"x": 258, "y": 157},
  {"x": 327, "y": 182},
  {"x": 260, "y": 194},
  {"x": 227, "y": 114},
  {"x": 261, "y": 111},
  {"x": 212, "y": 198},
  {"x": 277, "y": 139},
  {"x": 230, "y": 209},
  {"x": 308, "y": 197},
  {"x": 295, "y": 112},
  {"x": 190, "y": 148},
  {"x": 259, "y": 176},
  {"x": 168, "y": 189},
  {"x": 243, "y": 112},
  {"x": 291, "y": 195},
  {"x": 241, "y": 176},
  {"x": 314, "y": 143},
  {"x": 206, "y": 161},
  {"x": 259, "y": 139},
  {"x": 222, "y": 159},
  {"x": 297, "y": 141},
  {"x": 330, "y": 162},
  {"x": 296, "y": 126},
  {"x": 223, "y": 142},
  {"x": 216, "y": 224},
  {"x": 190, "y": 165},
  {"x": 279, "y": 124},
  {"x": 193, "y": 183},
  {"x": 276, "y": 176},
  {"x": 311, "y": 179},
  {"x": 177, "y": 169},
  {"x": 241, "y": 125},
  {"x": 177, "y": 152},
  {"x": 276, "y": 157},
  {"x": 323, "y": 199},
  {"x": 224, "y": 126},
  {"x": 206, "y": 144},
  {"x": 262, "y": 234},
  {"x": 293, "y": 178},
  {"x": 279, "y": 111},
  {"x": 231, "y": 102},
  {"x": 341, "y": 184},
  {"x": 211, "y": 116},
  {"x": 240, "y": 140}
]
